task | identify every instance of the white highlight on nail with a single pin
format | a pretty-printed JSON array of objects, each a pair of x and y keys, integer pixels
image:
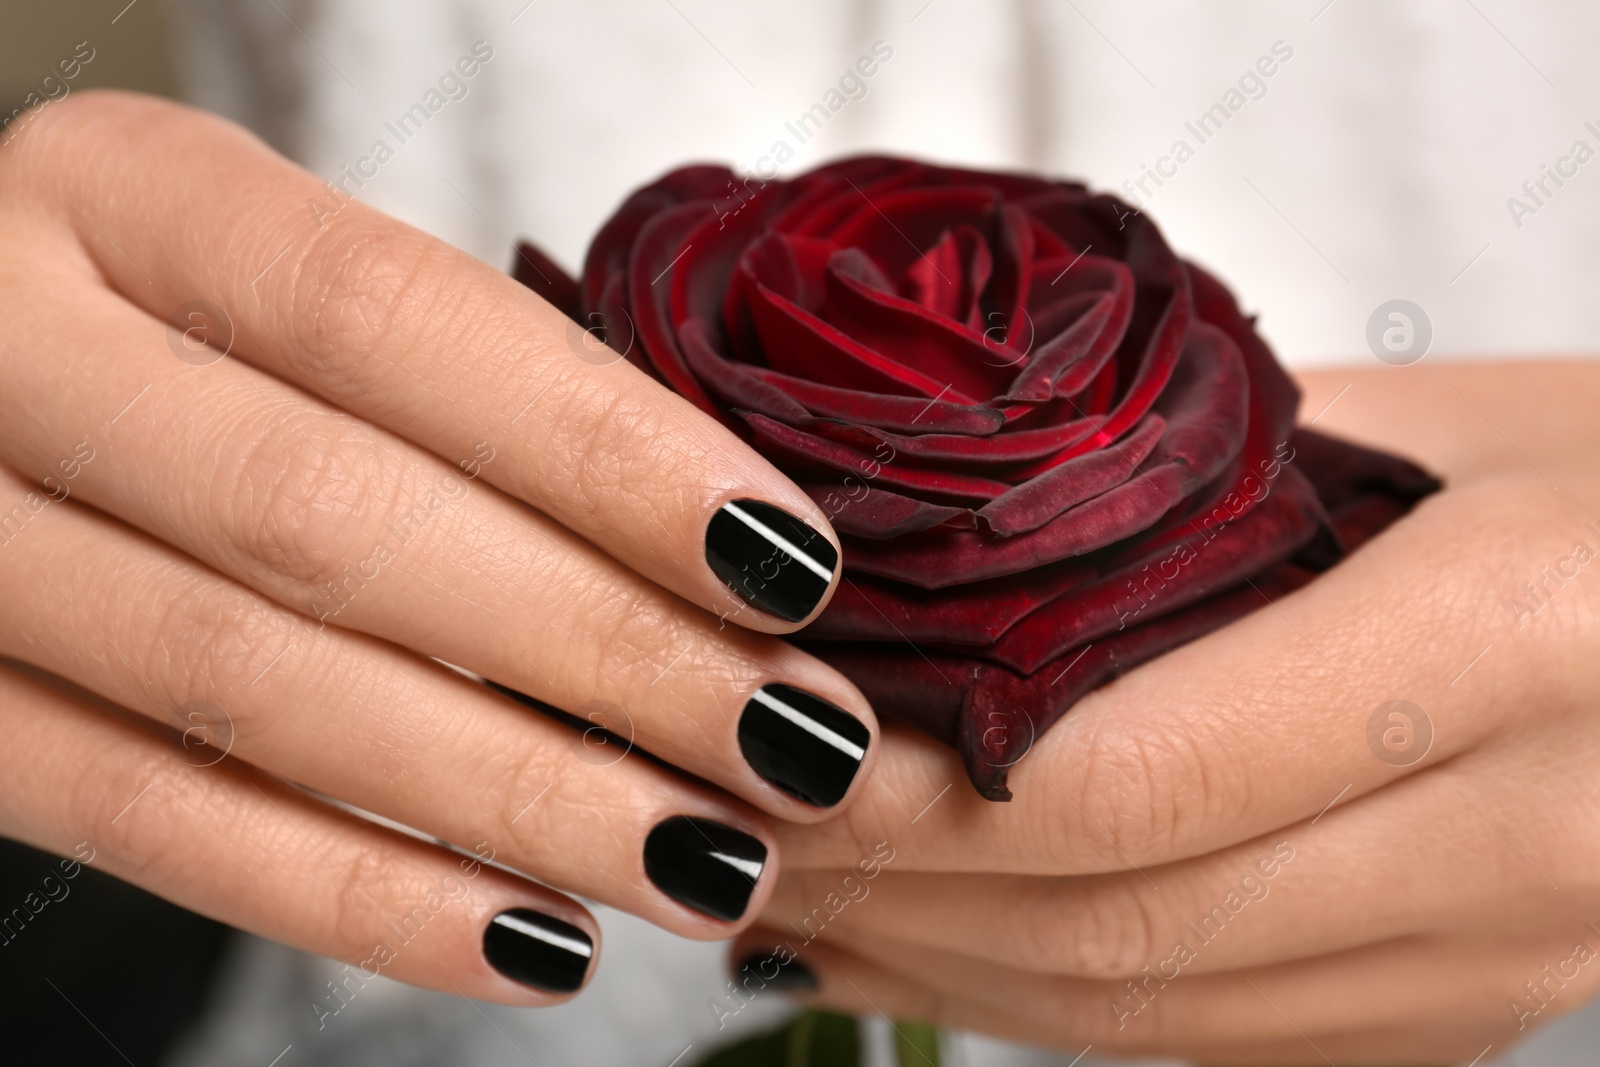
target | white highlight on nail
[
  {"x": 549, "y": 937},
  {"x": 749, "y": 868},
  {"x": 811, "y": 726},
  {"x": 778, "y": 540}
]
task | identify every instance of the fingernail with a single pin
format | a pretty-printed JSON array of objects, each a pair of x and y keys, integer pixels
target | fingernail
[
  {"x": 802, "y": 744},
  {"x": 791, "y": 977},
  {"x": 769, "y": 558},
  {"x": 704, "y": 865},
  {"x": 537, "y": 950}
]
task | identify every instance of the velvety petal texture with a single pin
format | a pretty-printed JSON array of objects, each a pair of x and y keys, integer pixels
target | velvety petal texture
[{"x": 1052, "y": 448}]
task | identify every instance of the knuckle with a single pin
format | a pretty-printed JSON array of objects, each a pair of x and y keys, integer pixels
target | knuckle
[
  {"x": 203, "y": 645},
  {"x": 46, "y": 137},
  {"x": 634, "y": 638},
  {"x": 862, "y": 827},
  {"x": 529, "y": 790},
  {"x": 123, "y": 796},
  {"x": 374, "y": 884},
  {"x": 607, "y": 443},
  {"x": 363, "y": 285},
  {"x": 66, "y": 121},
  {"x": 1141, "y": 785},
  {"x": 1110, "y": 936},
  {"x": 301, "y": 497}
]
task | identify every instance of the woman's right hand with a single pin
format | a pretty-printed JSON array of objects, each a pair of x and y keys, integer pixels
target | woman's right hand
[{"x": 402, "y": 456}]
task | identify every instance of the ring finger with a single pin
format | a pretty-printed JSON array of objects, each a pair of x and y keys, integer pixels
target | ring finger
[{"x": 373, "y": 725}]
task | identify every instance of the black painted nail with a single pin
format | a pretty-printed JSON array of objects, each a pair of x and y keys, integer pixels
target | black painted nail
[
  {"x": 766, "y": 972},
  {"x": 802, "y": 744},
  {"x": 769, "y": 558},
  {"x": 704, "y": 865},
  {"x": 538, "y": 950}
]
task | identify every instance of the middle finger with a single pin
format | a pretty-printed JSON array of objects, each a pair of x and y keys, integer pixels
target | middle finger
[{"x": 354, "y": 527}]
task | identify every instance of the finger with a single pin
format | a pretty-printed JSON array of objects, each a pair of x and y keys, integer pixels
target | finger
[
  {"x": 399, "y": 328},
  {"x": 1405, "y": 861},
  {"x": 103, "y": 789},
  {"x": 354, "y": 527},
  {"x": 1415, "y": 988},
  {"x": 366, "y": 722},
  {"x": 1267, "y": 722},
  {"x": 1457, "y": 418}
]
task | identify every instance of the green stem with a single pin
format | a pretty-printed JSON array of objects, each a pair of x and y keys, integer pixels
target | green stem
[{"x": 916, "y": 1044}]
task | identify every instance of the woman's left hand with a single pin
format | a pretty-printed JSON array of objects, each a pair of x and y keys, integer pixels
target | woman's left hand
[{"x": 1358, "y": 826}]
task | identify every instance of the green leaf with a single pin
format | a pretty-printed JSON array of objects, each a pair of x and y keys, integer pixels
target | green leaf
[
  {"x": 812, "y": 1039},
  {"x": 825, "y": 1039},
  {"x": 915, "y": 1044}
]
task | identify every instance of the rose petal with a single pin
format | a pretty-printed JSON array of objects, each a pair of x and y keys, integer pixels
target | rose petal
[
  {"x": 774, "y": 439},
  {"x": 796, "y": 342},
  {"x": 544, "y": 276},
  {"x": 944, "y": 350},
  {"x": 908, "y": 414},
  {"x": 855, "y": 507},
  {"x": 1041, "y": 498}
]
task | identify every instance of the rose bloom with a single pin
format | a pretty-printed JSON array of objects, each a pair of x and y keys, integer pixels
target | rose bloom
[{"x": 1052, "y": 448}]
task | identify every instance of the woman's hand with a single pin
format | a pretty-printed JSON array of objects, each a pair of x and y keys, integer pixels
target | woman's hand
[
  {"x": 1358, "y": 826},
  {"x": 265, "y": 451}
]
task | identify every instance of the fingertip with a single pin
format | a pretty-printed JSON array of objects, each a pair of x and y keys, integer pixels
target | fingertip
[
  {"x": 764, "y": 960},
  {"x": 718, "y": 875},
  {"x": 780, "y": 568},
  {"x": 541, "y": 953},
  {"x": 811, "y": 752}
]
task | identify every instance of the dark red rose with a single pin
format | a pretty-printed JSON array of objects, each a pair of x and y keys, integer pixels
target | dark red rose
[{"x": 1052, "y": 448}]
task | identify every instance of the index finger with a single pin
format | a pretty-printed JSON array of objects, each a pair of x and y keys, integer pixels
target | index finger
[
  {"x": 1259, "y": 726},
  {"x": 399, "y": 328}
]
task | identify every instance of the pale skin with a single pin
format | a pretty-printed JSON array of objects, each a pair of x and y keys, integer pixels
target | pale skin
[
  {"x": 1380, "y": 913},
  {"x": 181, "y": 530}
]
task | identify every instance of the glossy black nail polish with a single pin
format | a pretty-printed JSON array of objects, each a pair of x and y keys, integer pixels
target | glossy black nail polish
[
  {"x": 769, "y": 558},
  {"x": 761, "y": 971},
  {"x": 538, "y": 950},
  {"x": 704, "y": 865},
  {"x": 802, "y": 744}
]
